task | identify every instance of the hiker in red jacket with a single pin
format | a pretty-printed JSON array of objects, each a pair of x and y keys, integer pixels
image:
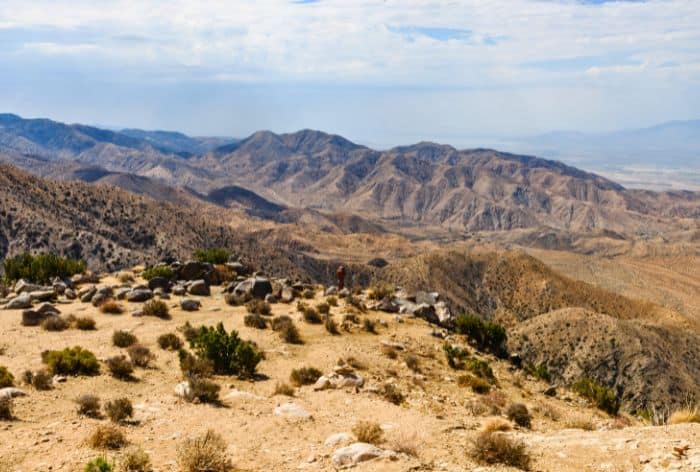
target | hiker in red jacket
[{"x": 341, "y": 277}]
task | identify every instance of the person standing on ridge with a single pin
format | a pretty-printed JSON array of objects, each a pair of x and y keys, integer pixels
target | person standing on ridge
[{"x": 340, "y": 274}]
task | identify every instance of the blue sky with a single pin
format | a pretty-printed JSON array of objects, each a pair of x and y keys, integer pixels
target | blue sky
[{"x": 379, "y": 72}]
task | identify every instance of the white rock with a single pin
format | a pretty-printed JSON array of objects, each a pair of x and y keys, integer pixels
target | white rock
[
  {"x": 339, "y": 439},
  {"x": 356, "y": 453},
  {"x": 11, "y": 392},
  {"x": 291, "y": 410},
  {"x": 183, "y": 389},
  {"x": 241, "y": 395}
]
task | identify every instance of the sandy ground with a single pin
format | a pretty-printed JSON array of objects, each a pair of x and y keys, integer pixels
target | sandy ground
[{"x": 438, "y": 417}]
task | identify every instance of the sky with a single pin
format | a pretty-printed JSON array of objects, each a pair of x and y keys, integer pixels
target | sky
[{"x": 379, "y": 72}]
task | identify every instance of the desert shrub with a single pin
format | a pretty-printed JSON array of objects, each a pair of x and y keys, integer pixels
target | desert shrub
[
  {"x": 368, "y": 432},
  {"x": 140, "y": 355},
  {"x": 455, "y": 355},
  {"x": 479, "y": 368},
  {"x": 125, "y": 276},
  {"x": 228, "y": 353},
  {"x": 224, "y": 274},
  {"x": 585, "y": 423},
  {"x": 215, "y": 255},
  {"x": 40, "y": 380},
  {"x": 308, "y": 294},
  {"x": 204, "y": 453},
  {"x": 518, "y": 413},
  {"x": 278, "y": 322},
  {"x": 496, "y": 423},
  {"x": 6, "y": 409},
  {"x": 311, "y": 315},
  {"x": 603, "y": 397},
  {"x": 380, "y": 291},
  {"x": 135, "y": 460},
  {"x": 123, "y": 339},
  {"x": 99, "y": 464},
  {"x": 685, "y": 415},
  {"x": 495, "y": 448},
  {"x": 203, "y": 390},
  {"x": 369, "y": 325},
  {"x": 85, "y": 323},
  {"x": 6, "y": 378},
  {"x": 157, "y": 308},
  {"x": 258, "y": 307},
  {"x": 193, "y": 366},
  {"x": 477, "y": 384},
  {"x": 284, "y": 389},
  {"x": 111, "y": 307},
  {"x": 389, "y": 351},
  {"x": 305, "y": 376},
  {"x": 323, "y": 308},
  {"x": 41, "y": 268},
  {"x": 188, "y": 331},
  {"x": 88, "y": 405},
  {"x": 158, "y": 271},
  {"x": 288, "y": 332},
  {"x": 487, "y": 335},
  {"x": 332, "y": 300},
  {"x": 120, "y": 367},
  {"x": 54, "y": 323},
  {"x": 235, "y": 300},
  {"x": 356, "y": 302},
  {"x": 405, "y": 443},
  {"x": 107, "y": 437},
  {"x": 118, "y": 410},
  {"x": 330, "y": 324},
  {"x": 412, "y": 362},
  {"x": 71, "y": 361},
  {"x": 169, "y": 341},
  {"x": 391, "y": 393},
  {"x": 540, "y": 372},
  {"x": 253, "y": 320}
]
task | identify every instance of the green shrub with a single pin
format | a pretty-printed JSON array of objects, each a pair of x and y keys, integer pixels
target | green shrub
[
  {"x": 541, "y": 371},
  {"x": 120, "y": 367},
  {"x": 604, "y": 397},
  {"x": 135, "y": 460},
  {"x": 158, "y": 271},
  {"x": 41, "y": 268},
  {"x": 123, "y": 339},
  {"x": 99, "y": 464},
  {"x": 216, "y": 255},
  {"x": 157, "y": 308},
  {"x": 487, "y": 335},
  {"x": 71, "y": 361},
  {"x": 519, "y": 414},
  {"x": 6, "y": 378},
  {"x": 227, "y": 352},
  {"x": 119, "y": 410},
  {"x": 479, "y": 368},
  {"x": 455, "y": 355},
  {"x": 304, "y": 376},
  {"x": 169, "y": 341}
]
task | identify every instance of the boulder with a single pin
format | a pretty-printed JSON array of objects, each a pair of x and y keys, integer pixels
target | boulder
[
  {"x": 339, "y": 439},
  {"x": 287, "y": 294},
  {"x": 199, "y": 287},
  {"x": 33, "y": 318},
  {"x": 332, "y": 290},
  {"x": 195, "y": 270},
  {"x": 179, "y": 290},
  {"x": 355, "y": 453},
  {"x": 444, "y": 315},
  {"x": 70, "y": 294},
  {"x": 11, "y": 392},
  {"x": 85, "y": 278},
  {"x": 429, "y": 298},
  {"x": 183, "y": 389},
  {"x": 336, "y": 380},
  {"x": 105, "y": 290},
  {"x": 270, "y": 298},
  {"x": 188, "y": 304},
  {"x": 139, "y": 295},
  {"x": 159, "y": 282},
  {"x": 378, "y": 262},
  {"x": 387, "y": 305},
  {"x": 22, "y": 286},
  {"x": 43, "y": 295},
  {"x": 292, "y": 411},
  {"x": 20, "y": 302},
  {"x": 238, "y": 267},
  {"x": 98, "y": 299},
  {"x": 86, "y": 294},
  {"x": 256, "y": 287},
  {"x": 121, "y": 293},
  {"x": 59, "y": 287},
  {"x": 243, "y": 395},
  {"x": 47, "y": 309},
  {"x": 427, "y": 312}
]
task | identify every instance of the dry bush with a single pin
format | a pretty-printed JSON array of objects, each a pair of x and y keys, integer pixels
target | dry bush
[
  {"x": 353, "y": 362},
  {"x": 88, "y": 405},
  {"x": 169, "y": 341},
  {"x": 156, "y": 308},
  {"x": 118, "y": 410},
  {"x": 368, "y": 432},
  {"x": 356, "y": 302},
  {"x": 203, "y": 390},
  {"x": 258, "y": 307},
  {"x": 40, "y": 380},
  {"x": 332, "y": 300},
  {"x": 477, "y": 384},
  {"x": 6, "y": 378},
  {"x": 685, "y": 415},
  {"x": 254, "y": 320},
  {"x": 304, "y": 376},
  {"x": 54, "y": 323},
  {"x": 323, "y": 308},
  {"x": 496, "y": 423},
  {"x": 577, "y": 421},
  {"x": 123, "y": 339},
  {"x": 287, "y": 330},
  {"x": 380, "y": 291},
  {"x": 308, "y": 294},
  {"x": 140, "y": 355},
  {"x": 412, "y": 362},
  {"x": 518, "y": 413},
  {"x": 284, "y": 389},
  {"x": 111, "y": 307},
  {"x": 107, "y": 437},
  {"x": 496, "y": 448},
  {"x": 206, "y": 453},
  {"x": 391, "y": 393},
  {"x": 135, "y": 460},
  {"x": 369, "y": 325},
  {"x": 405, "y": 443},
  {"x": 278, "y": 322},
  {"x": 311, "y": 315},
  {"x": 194, "y": 366},
  {"x": 85, "y": 323},
  {"x": 389, "y": 351},
  {"x": 330, "y": 325},
  {"x": 6, "y": 409},
  {"x": 550, "y": 411},
  {"x": 120, "y": 367},
  {"x": 125, "y": 276},
  {"x": 494, "y": 401}
]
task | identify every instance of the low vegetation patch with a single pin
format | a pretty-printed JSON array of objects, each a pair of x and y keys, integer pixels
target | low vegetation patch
[
  {"x": 519, "y": 414},
  {"x": 120, "y": 367},
  {"x": 540, "y": 372},
  {"x": 99, "y": 464},
  {"x": 71, "y": 361},
  {"x": 330, "y": 325},
  {"x": 391, "y": 393},
  {"x": 258, "y": 307},
  {"x": 140, "y": 355},
  {"x": 135, "y": 460},
  {"x": 170, "y": 341},
  {"x": 380, "y": 291},
  {"x": 40, "y": 380},
  {"x": 496, "y": 448},
  {"x": 193, "y": 366},
  {"x": 158, "y": 271},
  {"x": 332, "y": 300},
  {"x": 215, "y": 255},
  {"x": 412, "y": 362},
  {"x": 6, "y": 378},
  {"x": 107, "y": 437},
  {"x": 156, "y": 308},
  {"x": 119, "y": 410},
  {"x": 369, "y": 325},
  {"x": 111, "y": 307},
  {"x": 486, "y": 335},
  {"x": 288, "y": 332},
  {"x": 685, "y": 415},
  {"x": 55, "y": 323},
  {"x": 368, "y": 432},
  {"x": 603, "y": 397},
  {"x": 85, "y": 323},
  {"x": 305, "y": 376},
  {"x": 6, "y": 409},
  {"x": 229, "y": 354},
  {"x": 41, "y": 268},
  {"x": 253, "y": 320},
  {"x": 310, "y": 314},
  {"x": 203, "y": 390},
  {"x": 477, "y": 384},
  {"x": 88, "y": 405},
  {"x": 284, "y": 389},
  {"x": 206, "y": 453},
  {"x": 123, "y": 339}
]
